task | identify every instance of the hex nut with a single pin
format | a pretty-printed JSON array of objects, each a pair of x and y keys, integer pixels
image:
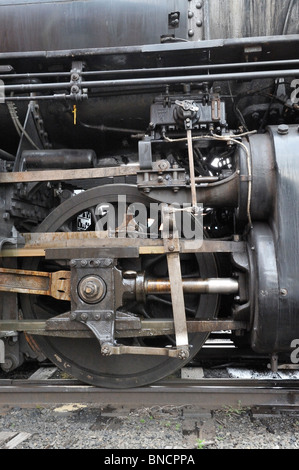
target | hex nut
[
  {"x": 105, "y": 350},
  {"x": 283, "y": 129},
  {"x": 92, "y": 289}
]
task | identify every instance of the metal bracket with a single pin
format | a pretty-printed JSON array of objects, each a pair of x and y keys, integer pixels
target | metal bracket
[
  {"x": 174, "y": 20},
  {"x": 76, "y": 81},
  {"x": 172, "y": 250},
  {"x": 17, "y": 239},
  {"x": 108, "y": 350},
  {"x": 192, "y": 172},
  {"x": 145, "y": 154},
  {"x": 102, "y": 327},
  {"x": 92, "y": 300},
  {"x": 5, "y": 241},
  {"x": 39, "y": 123}
]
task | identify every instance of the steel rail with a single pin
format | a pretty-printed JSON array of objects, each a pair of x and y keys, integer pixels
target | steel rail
[{"x": 206, "y": 394}]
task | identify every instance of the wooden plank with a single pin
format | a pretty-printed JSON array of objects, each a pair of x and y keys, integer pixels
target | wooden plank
[
  {"x": 43, "y": 373},
  {"x": 18, "y": 439},
  {"x": 6, "y": 436}
]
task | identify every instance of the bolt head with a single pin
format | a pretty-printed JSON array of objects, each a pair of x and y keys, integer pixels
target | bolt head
[
  {"x": 75, "y": 89},
  {"x": 283, "y": 129},
  {"x": 105, "y": 350},
  {"x": 92, "y": 289},
  {"x": 89, "y": 289},
  {"x": 7, "y": 365},
  {"x": 183, "y": 354}
]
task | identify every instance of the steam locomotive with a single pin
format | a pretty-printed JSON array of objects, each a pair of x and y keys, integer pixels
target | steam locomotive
[{"x": 149, "y": 174}]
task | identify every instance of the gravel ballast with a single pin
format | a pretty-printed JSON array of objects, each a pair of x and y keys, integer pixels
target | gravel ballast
[
  {"x": 167, "y": 428},
  {"x": 84, "y": 427}
]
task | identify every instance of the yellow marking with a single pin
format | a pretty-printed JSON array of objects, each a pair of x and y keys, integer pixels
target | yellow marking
[{"x": 75, "y": 114}]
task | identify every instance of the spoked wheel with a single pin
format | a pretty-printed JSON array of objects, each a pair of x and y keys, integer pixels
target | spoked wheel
[{"x": 82, "y": 358}]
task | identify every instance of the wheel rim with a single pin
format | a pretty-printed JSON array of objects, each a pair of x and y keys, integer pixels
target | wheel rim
[{"x": 81, "y": 358}]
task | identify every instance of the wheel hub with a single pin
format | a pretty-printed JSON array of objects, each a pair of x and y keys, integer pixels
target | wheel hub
[
  {"x": 92, "y": 289},
  {"x": 81, "y": 357}
]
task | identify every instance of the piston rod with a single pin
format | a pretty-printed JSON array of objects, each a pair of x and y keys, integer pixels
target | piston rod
[{"x": 194, "y": 286}]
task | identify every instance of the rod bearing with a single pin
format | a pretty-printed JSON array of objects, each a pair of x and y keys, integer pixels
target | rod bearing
[{"x": 92, "y": 289}]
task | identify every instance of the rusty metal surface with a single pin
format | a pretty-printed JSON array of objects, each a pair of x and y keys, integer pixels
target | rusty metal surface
[
  {"x": 75, "y": 253},
  {"x": 166, "y": 327},
  {"x": 65, "y": 175},
  {"x": 64, "y": 327},
  {"x": 135, "y": 286},
  {"x": 55, "y": 284},
  {"x": 193, "y": 286},
  {"x": 37, "y": 243}
]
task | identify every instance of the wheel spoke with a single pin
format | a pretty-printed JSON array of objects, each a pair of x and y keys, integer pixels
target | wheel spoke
[
  {"x": 157, "y": 298},
  {"x": 82, "y": 357}
]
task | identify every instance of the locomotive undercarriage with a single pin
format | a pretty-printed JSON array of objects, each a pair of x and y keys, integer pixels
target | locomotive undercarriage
[{"x": 127, "y": 304}]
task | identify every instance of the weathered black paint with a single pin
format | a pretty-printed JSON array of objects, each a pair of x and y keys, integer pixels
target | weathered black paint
[
  {"x": 275, "y": 247},
  {"x": 76, "y": 24}
]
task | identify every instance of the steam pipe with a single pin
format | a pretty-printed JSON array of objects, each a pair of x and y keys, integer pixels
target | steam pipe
[{"x": 26, "y": 88}]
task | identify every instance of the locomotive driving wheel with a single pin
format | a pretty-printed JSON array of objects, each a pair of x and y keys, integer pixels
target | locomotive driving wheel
[{"x": 81, "y": 357}]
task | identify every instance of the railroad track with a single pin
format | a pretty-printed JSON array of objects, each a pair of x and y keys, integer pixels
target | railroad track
[{"x": 262, "y": 396}]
